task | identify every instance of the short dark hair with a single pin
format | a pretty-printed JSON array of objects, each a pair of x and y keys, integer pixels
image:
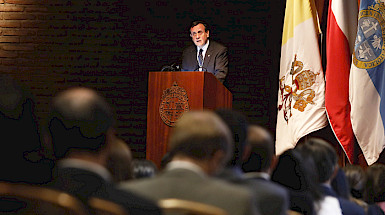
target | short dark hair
[
  {"x": 324, "y": 156},
  {"x": 375, "y": 184},
  {"x": 195, "y": 23},
  {"x": 292, "y": 172},
  {"x": 356, "y": 177},
  {"x": 296, "y": 173},
  {"x": 77, "y": 123}
]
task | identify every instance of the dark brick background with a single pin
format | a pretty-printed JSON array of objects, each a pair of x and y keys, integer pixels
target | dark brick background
[{"x": 112, "y": 45}]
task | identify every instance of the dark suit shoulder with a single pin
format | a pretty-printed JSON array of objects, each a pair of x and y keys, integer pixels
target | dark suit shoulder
[
  {"x": 190, "y": 48},
  {"x": 134, "y": 203},
  {"x": 217, "y": 44},
  {"x": 375, "y": 210},
  {"x": 86, "y": 184},
  {"x": 347, "y": 206},
  {"x": 270, "y": 186},
  {"x": 350, "y": 208}
]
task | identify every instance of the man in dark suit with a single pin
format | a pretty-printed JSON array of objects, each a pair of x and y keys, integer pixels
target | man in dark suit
[
  {"x": 326, "y": 162},
  {"x": 200, "y": 145},
  {"x": 80, "y": 126},
  {"x": 205, "y": 55},
  {"x": 21, "y": 159},
  {"x": 274, "y": 198},
  {"x": 270, "y": 199},
  {"x": 238, "y": 124}
]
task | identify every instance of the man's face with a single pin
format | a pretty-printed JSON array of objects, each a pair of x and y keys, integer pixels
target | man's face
[{"x": 199, "y": 35}]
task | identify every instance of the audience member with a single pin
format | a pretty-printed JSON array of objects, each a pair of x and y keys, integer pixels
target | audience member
[
  {"x": 375, "y": 189},
  {"x": 262, "y": 153},
  {"x": 119, "y": 161},
  {"x": 326, "y": 163},
  {"x": 80, "y": 125},
  {"x": 274, "y": 199},
  {"x": 294, "y": 173},
  {"x": 167, "y": 157},
  {"x": 238, "y": 125},
  {"x": 340, "y": 184},
  {"x": 356, "y": 179},
  {"x": 142, "y": 168},
  {"x": 20, "y": 158},
  {"x": 201, "y": 145},
  {"x": 266, "y": 201}
]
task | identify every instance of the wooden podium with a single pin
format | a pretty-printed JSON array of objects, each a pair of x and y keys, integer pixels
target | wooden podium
[{"x": 172, "y": 93}]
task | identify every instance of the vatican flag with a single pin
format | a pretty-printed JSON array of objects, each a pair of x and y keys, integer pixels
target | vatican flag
[{"x": 301, "y": 96}]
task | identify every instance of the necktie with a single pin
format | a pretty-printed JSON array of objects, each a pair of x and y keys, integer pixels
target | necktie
[{"x": 200, "y": 58}]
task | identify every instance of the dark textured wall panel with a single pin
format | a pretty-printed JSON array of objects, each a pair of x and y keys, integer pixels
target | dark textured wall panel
[{"x": 112, "y": 45}]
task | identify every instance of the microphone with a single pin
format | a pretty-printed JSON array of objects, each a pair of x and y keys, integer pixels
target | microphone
[
  {"x": 173, "y": 67},
  {"x": 200, "y": 69}
]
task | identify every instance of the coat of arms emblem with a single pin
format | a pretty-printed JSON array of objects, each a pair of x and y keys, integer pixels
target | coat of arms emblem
[
  {"x": 174, "y": 102},
  {"x": 369, "y": 50},
  {"x": 296, "y": 85}
]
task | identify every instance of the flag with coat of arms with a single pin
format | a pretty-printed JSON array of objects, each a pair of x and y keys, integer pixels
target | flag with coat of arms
[
  {"x": 301, "y": 95},
  {"x": 367, "y": 80}
]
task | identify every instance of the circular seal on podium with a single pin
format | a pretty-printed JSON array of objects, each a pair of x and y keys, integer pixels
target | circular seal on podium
[{"x": 174, "y": 103}]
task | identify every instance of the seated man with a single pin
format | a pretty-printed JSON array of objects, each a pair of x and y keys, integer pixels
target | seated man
[
  {"x": 200, "y": 145},
  {"x": 270, "y": 199},
  {"x": 274, "y": 199},
  {"x": 21, "y": 159},
  {"x": 80, "y": 126},
  {"x": 119, "y": 161}
]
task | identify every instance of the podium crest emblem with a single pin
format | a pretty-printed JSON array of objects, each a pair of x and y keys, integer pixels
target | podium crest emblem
[{"x": 174, "y": 103}]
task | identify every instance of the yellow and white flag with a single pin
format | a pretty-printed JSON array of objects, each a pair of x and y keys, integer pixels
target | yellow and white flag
[{"x": 301, "y": 95}]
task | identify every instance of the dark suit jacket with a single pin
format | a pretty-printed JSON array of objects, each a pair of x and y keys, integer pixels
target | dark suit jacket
[
  {"x": 347, "y": 207},
  {"x": 270, "y": 198},
  {"x": 85, "y": 184},
  {"x": 215, "y": 60},
  {"x": 188, "y": 185},
  {"x": 374, "y": 210},
  {"x": 273, "y": 198}
]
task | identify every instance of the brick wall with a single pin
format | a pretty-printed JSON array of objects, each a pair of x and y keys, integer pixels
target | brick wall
[{"x": 111, "y": 46}]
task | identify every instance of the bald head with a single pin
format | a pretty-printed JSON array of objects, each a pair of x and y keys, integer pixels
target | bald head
[
  {"x": 199, "y": 134},
  {"x": 257, "y": 134},
  {"x": 79, "y": 119}
]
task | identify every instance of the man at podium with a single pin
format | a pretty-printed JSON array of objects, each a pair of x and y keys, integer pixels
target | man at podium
[{"x": 205, "y": 55}]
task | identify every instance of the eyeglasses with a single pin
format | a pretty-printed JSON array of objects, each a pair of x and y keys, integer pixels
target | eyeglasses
[{"x": 194, "y": 34}]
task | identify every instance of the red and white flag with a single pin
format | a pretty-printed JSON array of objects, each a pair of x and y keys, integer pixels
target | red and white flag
[{"x": 340, "y": 38}]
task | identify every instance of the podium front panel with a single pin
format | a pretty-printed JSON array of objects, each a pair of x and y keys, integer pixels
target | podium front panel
[{"x": 172, "y": 93}]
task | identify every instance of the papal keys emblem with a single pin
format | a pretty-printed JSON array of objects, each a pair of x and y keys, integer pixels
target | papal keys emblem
[
  {"x": 296, "y": 87},
  {"x": 174, "y": 102},
  {"x": 369, "y": 50}
]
